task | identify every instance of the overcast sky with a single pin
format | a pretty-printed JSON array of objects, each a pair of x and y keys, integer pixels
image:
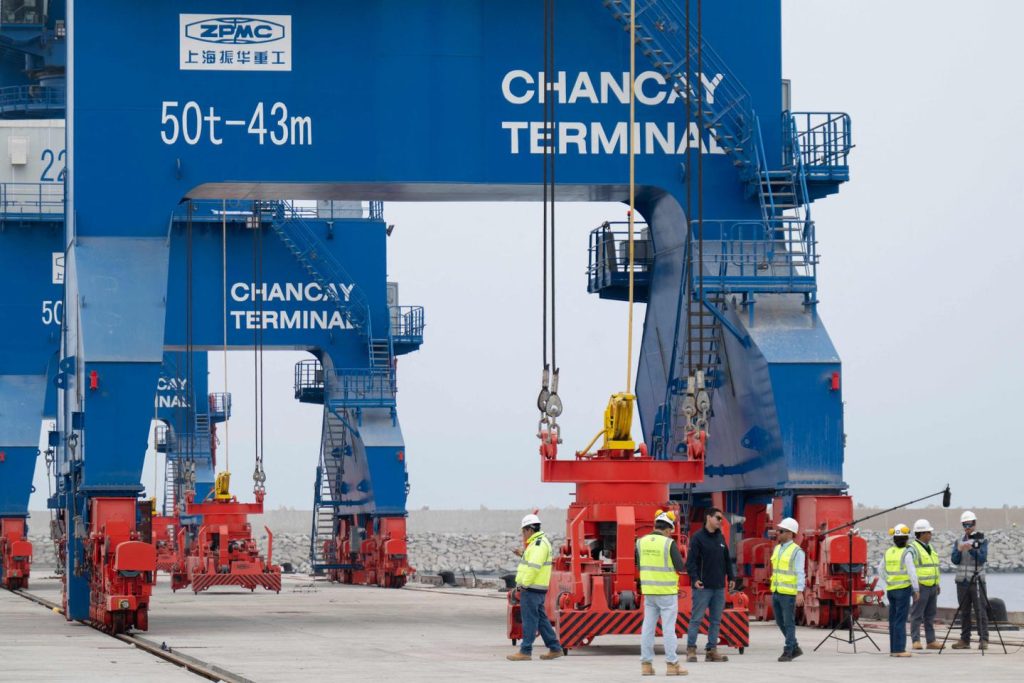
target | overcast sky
[{"x": 920, "y": 278}]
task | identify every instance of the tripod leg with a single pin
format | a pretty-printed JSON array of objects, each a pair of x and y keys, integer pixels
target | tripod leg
[
  {"x": 983, "y": 593},
  {"x": 958, "y": 614}
]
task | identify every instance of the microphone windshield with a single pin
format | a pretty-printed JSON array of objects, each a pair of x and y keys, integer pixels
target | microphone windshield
[{"x": 946, "y": 496}]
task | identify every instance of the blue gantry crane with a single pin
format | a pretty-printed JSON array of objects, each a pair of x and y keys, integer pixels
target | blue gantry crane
[{"x": 227, "y": 132}]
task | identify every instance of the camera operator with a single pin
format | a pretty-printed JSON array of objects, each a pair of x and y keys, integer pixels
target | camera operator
[{"x": 969, "y": 556}]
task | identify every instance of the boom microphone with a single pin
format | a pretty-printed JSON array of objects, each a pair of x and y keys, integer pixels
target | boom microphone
[{"x": 946, "y": 496}]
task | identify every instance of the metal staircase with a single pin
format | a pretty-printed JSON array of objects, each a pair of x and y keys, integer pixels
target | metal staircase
[
  {"x": 729, "y": 117},
  {"x": 327, "y": 494},
  {"x": 170, "y": 488}
]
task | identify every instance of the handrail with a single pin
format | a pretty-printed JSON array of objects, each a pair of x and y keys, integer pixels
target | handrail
[
  {"x": 32, "y": 201},
  {"x": 607, "y": 253},
  {"x": 24, "y": 97},
  {"x": 826, "y": 138},
  {"x": 406, "y": 321}
]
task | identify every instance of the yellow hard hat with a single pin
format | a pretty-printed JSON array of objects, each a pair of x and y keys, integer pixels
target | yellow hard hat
[
  {"x": 900, "y": 530},
  {"x": 667, "y": 517}
]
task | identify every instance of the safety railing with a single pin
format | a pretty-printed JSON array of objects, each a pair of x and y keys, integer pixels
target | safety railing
[
  {"x": 32, "y": 201},
  {"x": 23, "y": 12},
  {"x": 31, "y": 98},
  {"x": 309, "y": 377},
  {"x": 361, "y": 387},
  {"x": 220, "y": 404},
  {"x": 824, "y": 140},
  {"x": 608, "y": 255},
  {"x": 756, "y": 256},
  {"x": 407, "y": 322},
  {"x": 163, "y": 439}
]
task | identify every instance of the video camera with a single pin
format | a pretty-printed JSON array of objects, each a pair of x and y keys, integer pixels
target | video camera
[{"x": 976, "y": 538}]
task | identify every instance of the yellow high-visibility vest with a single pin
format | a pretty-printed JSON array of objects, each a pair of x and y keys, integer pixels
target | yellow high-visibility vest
[
  {"x": 657, "y": 574},
  {"x": 784, "y": 574},
  {"x": 926, "y": 562},
  {"x": 534, "y": 569},
  {"x": 896, "y": 576}
]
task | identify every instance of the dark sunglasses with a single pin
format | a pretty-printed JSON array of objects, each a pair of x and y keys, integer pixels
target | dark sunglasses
[
  {"x": 718, "y": 517},
  {"x": 968, "y": 525}
]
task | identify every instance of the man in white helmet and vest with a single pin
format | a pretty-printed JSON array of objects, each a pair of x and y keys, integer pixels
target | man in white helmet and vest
[
  {"x": 898, "y": 571},
  {"x": 532, "y": 579},
  {"x": 970, "y": 554},
  {"x": 788, "y": 580},
  {"x": 926, "y": 564},
  {"x": 660, "y": 563}
]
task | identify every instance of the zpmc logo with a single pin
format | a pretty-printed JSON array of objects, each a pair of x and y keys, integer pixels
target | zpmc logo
[{"x": 235, "y": 31}]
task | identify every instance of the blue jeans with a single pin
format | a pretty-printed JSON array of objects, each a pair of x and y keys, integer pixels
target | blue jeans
[
  {"x": 531, "y": 609},
  {"x": 665, "y": 607},
  {"x": 784, "y": 607},
  {"x": 703, "y": 599},
  {"x": 899, "y": 606}
]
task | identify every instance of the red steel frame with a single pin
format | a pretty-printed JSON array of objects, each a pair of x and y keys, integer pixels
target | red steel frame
[
  {"x": 223, "y": 552},
  {"x": 594, "y": 588}
]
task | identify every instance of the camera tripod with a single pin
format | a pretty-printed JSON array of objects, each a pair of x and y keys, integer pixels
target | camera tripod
[
  {"x": 977, "y": 595},
  {"x": 849, "y": 614}
]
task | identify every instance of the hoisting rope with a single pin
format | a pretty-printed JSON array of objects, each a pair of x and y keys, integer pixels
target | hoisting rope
[
  {"x": 259, "y": 477},
  {"x": 632, "y": 188},
  {"x": 548, "y": 402},
  {"x": 224, "y": 268},
  {"x": 189, "y": 473}
]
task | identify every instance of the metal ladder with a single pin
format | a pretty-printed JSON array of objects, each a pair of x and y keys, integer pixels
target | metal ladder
[{"x": 334, "y": 447}]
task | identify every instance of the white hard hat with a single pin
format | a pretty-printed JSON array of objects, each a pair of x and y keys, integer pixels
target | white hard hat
[
  {"x": 921, "y": 526},
  {"x": 789, "y": 524},
  {"x": 900, "y": 530},
  {"x": 666, "y": 517},
  {"x": 968, "y": 516},
  {"x": 530, "y": 520}
]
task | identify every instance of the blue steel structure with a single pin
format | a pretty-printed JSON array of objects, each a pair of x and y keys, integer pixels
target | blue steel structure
[
  {"x": 257, "y": 131},
  {"x": 31, "y": 265}
]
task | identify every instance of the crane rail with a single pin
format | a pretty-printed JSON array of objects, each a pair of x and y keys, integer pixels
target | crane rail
[{"x": 197, "y": 666}]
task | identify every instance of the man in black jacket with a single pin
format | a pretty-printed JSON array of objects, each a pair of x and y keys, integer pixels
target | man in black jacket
[{"x": 710, "y": 568}]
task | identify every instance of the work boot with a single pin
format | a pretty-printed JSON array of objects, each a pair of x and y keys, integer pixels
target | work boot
[
  {"x": 900, "y": 654},
  {"x": 917, "y": 645},
  {"x": 552, "y": 654},
  {"x": 786, "y": 656},
  {"x": 983, "y": 645},
  {"x": 673, "y": 669},
  {"x": 934, "y": 645},
  {"x": 712, "y": 655},
  {"x": 797, "y": 652},
  {"x": 691, "y": 654},
  {"x": 519, "y": 657},
  {"x": 961, "y": 645},
  {"x": 646, "y": 669}
]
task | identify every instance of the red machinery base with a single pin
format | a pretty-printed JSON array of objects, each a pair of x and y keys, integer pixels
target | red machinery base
[
  {"x": 15, "y": 554},
  {"x": 164, "y": 537},
  {"x": 122, "y": 567},
  {"x": 223, "y": 552},
  {"x": 377, "y": 551},
  {"x": 269, "y": 580},
  {"x": 829, "y": 558},
  {"x": 577, "y": 628}
]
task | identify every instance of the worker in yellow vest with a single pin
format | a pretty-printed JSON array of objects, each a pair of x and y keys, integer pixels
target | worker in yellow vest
[
  {"x": 788, "y": 580},
  {"x": 532, "y": 579},
  {"x": 660, "y": 564},
  {"x": 926, "y": 564},
  {"x": 897, "y": 569}
]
